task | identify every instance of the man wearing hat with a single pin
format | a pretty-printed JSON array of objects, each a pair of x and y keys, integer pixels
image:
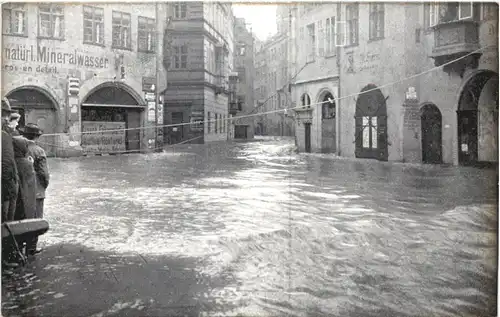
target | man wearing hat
[
  {"x": 32, "y": 132},
  {"x": 10, "y": 181}
]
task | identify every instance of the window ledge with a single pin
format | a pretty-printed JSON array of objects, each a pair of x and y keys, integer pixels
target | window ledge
[
  {"x": 145, "y": 51},
  {"x": 95, "y": 44},
  {"x": 376, "y": 39},
  {"x": 121, "y": 48},
  {"x": 15, "y": 34},
  {"x": 41, "y": 37},
  {"x": 328, "y": 56},
  {"x": 351, "y": 45}
]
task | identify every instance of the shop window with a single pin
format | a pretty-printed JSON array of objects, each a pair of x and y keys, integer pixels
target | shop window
[
  {"x": 352, "y": 18},
  {"x": 376, "y": 21},
  {"x": 14, "y": 19},
  {"x": 180, "y": 10},
  {"x": 121, "y": 30},
  {"x": 180, "y": 57},
  {"x": 93, "y": 25},
  {"x": 328, "y": 107},
  {"x": 51, "y": 21},
  {"x": 146, "y": 34}
]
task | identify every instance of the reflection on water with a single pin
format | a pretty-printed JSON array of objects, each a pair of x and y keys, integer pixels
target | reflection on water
[{"x": 303, "y": 235}]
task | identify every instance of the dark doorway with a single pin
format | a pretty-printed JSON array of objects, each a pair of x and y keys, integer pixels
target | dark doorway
[
  {"x": 240, "y": 132},
  {"x": 133, "y": 136},
  {"x": 177, "y": 132},
  {"x": 307, "y": 128},
  {"x": 467, "y": 137},
  {"x": 431, "y": 134},
  {"x": 371, "y": 124}
]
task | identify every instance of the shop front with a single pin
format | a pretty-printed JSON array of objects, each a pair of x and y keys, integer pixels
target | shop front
[{"x": 112, "y": 109}]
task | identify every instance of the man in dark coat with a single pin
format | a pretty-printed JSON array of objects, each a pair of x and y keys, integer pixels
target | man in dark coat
[
  {"x": 10, "y": 183},
  {"x": 10, "y": 180},
  {"x": 32, "y": 132}
]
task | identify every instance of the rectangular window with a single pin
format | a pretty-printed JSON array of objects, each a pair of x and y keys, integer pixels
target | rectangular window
[
  {"x": 209, "y": 122},
  {"x": 180, "y": 10},
  {"x": 445, "y": 12},
  {"x": 121, "y": 30},
  {"x": 374, "y": 132},
  {"x": 93, "y": 25},
  {"x": 352, "y": 17},
  {"x": 340, "y": 32},
  {"x": 51, "y": 21},
  {"x": 146, "y": 34},
  {"x": 14, "y": 19},
  {"x": 321, "y": 39},
  {"x": 465, "y": 10},
  {"x": 179, "y": 57},
  {"x": 216, "y": 121},
  {"x": 330, "y": 36},
  {"x": 311, "y": 42},
  {"x": 366, "y": 132},
  {"x": 376, "y": 21}
]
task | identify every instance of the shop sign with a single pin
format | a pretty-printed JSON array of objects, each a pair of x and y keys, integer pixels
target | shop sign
[
  {"x": 103, "y": 142},
  {"x": 151, "y": 111},
  {"x": 49, "y": 59},
  {"x": 148, "y": 96},
  {"x": 148, "y": 84}
]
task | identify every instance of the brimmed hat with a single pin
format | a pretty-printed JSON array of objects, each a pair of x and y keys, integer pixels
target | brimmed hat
[
  {"x": 31, "y": 129},
  {"x": 14, "y": 116},
  {"x": 6, "y": 105}
]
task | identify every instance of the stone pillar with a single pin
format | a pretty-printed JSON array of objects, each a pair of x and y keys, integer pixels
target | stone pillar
[
  {"x": 69, "y": 144},
  {"x": 412, "y": 147}
]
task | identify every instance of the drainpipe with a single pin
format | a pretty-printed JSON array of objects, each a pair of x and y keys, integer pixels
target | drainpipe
[{"x": 339, "y": 102}]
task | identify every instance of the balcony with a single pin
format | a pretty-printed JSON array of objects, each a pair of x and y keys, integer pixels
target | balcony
[{"x": 453, "y": 40}]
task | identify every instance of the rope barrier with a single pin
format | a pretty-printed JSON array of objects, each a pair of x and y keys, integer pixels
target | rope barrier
[{"x": 278, "y": 110}]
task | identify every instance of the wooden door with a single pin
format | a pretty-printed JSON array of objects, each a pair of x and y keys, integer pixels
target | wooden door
[
  {"x": 133, "y": 136},
  {"x": 307, "y": 127}
]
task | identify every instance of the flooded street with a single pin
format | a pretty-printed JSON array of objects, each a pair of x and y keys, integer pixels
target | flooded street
[{"x": 257, "y": 230}]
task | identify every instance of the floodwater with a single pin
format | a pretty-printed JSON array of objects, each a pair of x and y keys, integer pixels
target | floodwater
[{"x": 285, "y": 234}]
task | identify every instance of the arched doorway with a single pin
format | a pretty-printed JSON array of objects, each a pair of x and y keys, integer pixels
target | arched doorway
[
  {"x": 477, "y": 120},
  {"x": 37, "y": 106},
  {"x": 371, "y": 124},
  {"x": 328, "y": 124},
  {"x": 111, "y": 107},
  {"x": 431, "y": 119}
]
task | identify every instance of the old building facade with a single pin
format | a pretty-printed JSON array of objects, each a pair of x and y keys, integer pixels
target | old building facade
[
  {"x": 74, "y": 68},
  {"x": 200, "y": 58},
  {"x": 244, "y": 66},
  {"x": 417, "y": 82},
  {"x": 271, "y": 87}
]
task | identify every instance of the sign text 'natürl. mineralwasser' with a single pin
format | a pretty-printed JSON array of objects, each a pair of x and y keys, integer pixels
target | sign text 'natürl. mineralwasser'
[{"x": 47, "y": 55}]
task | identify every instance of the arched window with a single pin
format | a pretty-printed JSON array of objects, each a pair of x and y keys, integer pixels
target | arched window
[{"x": 306, "y": 101}]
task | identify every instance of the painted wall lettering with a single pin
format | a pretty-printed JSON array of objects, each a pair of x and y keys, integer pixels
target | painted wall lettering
[{"x": 43, "y": 54}]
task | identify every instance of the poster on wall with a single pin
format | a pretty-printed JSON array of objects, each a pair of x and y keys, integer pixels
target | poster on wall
[
  {"x": 94, "y": 141},
  {"x": 151, "y": 111}
]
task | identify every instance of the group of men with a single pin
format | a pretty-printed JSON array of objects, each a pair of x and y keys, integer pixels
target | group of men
[{"x": 25, "y": 178}]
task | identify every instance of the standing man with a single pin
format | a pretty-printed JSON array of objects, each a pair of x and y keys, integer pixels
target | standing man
[
  {"x": 10, "y": 185},
  {"x": 10, "y": 180},
  {"x": 32, "y": 132}
]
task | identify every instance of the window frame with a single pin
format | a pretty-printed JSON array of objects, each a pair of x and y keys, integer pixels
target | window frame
[
  {"x": 305, "y": 100},
  {"x": 52, "y": 14},
  {"x": 376, "y": 21},
  {"x": 122, "y": 26},
  {"x": 311, "y": 39},
  {"x": 352, "y": 24},
  {"x": 180, "y": 10},
  {"x": 143, "y": 31},
  {"x": 11, "y": 9},
  {"x": 95, "y": 22},
  {"x": 177, "y": 57}
]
